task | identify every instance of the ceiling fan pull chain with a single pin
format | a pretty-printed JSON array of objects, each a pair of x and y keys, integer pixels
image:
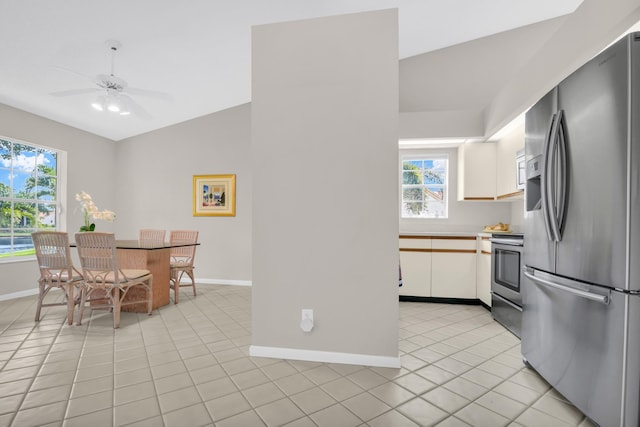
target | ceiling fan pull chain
[
  {"x": 113, "y": 60},
  {"x": 114, "y": 45}
]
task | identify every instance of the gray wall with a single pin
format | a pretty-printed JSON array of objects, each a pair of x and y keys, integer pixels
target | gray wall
[
  {"x": 90, "y": 167},
  {"x": 324, "y": 150},
  {"x": 154, "y": 184},
  {"x": 475, "y": 88},
  {"x": 147, "y": 181},
  {"x": 444, "y": 93},
  {"x": 584, "y": 33},
  {"x": 221, "y": 142}
]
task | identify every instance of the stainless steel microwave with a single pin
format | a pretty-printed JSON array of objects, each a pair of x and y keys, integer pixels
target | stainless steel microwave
[{"x": 521, "y": 170}]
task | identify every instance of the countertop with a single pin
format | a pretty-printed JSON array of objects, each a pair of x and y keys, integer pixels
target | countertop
[
  {"x": 445, "y": 233},
  {"x": 453, "y": 233}
]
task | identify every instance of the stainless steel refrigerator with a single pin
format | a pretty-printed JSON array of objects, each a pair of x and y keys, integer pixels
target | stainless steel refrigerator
[{"x": 581, "y": 296}]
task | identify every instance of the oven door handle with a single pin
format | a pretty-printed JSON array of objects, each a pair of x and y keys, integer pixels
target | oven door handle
[
  {"x": 602, "y": 299},
  {"x": 508, "y": 242}
]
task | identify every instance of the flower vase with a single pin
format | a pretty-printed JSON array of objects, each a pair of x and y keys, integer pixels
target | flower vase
[{"x": 88, "y": 225}]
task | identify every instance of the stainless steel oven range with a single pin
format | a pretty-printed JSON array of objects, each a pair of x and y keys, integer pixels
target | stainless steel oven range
[{"x": 506, "y": 279}]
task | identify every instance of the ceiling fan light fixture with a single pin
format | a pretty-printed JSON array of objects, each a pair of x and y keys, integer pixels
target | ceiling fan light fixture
[
  {"x": 114, "y": 97},
  {"x": 112, "y": 103},
  {"x": 99, "y": 103},
  {"x": 113, "y": 106}
]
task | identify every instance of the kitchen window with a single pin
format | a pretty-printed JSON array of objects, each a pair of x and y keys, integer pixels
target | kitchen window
[
  {"x": 424, "y": 186},
  {"x": 29, "y": 200}
]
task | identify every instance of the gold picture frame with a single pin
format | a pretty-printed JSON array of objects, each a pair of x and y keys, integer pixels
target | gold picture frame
[{"x": 214, "y": 195}]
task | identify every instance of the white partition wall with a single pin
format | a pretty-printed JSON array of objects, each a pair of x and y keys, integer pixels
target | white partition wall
[{"x": 325, "y": 170}]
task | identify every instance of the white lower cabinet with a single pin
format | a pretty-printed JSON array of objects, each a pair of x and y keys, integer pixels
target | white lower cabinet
[
  {"x": 483, "y": 280},
  {"x": 438, "y": 266},
  {"x": 415, "y": 263},
  {"x": 453, "y": 268}
]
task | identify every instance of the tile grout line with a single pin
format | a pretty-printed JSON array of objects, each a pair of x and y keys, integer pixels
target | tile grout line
[
  {"x": 40, "y": 366},
  {"x": 229, "y": 311},
  {"x": 164, "y": 322},
  {"x": 471, "y": 401},
  {"x": 522, "y": 369},
  {"x": 73, "y": 382},
  {"x": 156, "y": 394}
]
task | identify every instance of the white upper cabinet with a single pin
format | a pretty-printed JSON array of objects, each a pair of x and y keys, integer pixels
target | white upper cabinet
[
  {"x": 506, "y": 151},
  {"x": 477, "y": 171},
  {"x": 487, "y": 170}
]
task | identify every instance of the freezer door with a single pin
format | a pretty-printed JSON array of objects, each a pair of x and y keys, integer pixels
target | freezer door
[
  {"x": 634, "y": 170},
  {"x": 594, "y": 101},
  {"x": 583, "y": 347},
  {"x": 539, "y": 250}
]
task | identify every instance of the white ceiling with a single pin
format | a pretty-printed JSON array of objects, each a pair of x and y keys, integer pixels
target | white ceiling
[{"x": 196, "y": 51}]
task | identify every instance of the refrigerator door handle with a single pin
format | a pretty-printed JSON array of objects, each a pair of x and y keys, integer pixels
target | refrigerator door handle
[
  {"x": 602, "y": 299},
  {"x": 556, "y": 177},
  {"x": 544, "y": 179},
  {"x": 563, "y": 169}
]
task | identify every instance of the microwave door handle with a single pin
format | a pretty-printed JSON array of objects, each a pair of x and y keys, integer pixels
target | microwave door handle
[
  {"x": 544, "y": 178},
  {"x": 563, "y": 169}
]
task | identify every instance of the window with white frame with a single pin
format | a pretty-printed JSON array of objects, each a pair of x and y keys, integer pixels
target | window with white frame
[
  {"x": 425, "y": 190},
  {"x": 28, "y": 195}
]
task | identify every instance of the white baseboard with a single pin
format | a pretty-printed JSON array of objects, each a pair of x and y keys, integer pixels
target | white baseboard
[
  {"x": 34, "y": 291},
  {"x": 324, "y": 356},
  {"x": 19, "y": 294},
  {"x": 223, "y": 282}
]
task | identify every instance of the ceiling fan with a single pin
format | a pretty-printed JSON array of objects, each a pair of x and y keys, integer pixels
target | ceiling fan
[{"x": 115, "y": 90}]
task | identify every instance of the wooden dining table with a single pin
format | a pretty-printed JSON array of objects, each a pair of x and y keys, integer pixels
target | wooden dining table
[{"x": 152, "y": 256}]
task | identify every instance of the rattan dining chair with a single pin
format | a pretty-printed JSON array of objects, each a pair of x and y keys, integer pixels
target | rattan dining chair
[
  {"x": 106, "y": 285},
  {"x": 182, "y": 260},
  {"x": 56, "y": 270},
  {"x": 151, "y": 235}
]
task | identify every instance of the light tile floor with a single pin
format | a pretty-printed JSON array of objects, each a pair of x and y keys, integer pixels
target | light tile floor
[{"x": 188, "y": 365}]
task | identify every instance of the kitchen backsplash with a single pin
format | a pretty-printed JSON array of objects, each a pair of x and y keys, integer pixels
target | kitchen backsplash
[
  {"x": 517, "y": 216},
  {"x": 470, "y": 217}
]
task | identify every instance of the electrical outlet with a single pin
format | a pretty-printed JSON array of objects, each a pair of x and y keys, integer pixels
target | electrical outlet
[
  {"x": 307, "y": 314},
  {"x": 306, "y": 323}
]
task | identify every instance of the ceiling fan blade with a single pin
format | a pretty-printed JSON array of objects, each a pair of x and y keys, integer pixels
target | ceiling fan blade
[
  {"x": 72, "y": 92},
  {"x": 150, "y": 93},
  {"x": 68, "y": 70},
  {"x": 117, "y": 89},
  {"x": 135, "y": 108}
]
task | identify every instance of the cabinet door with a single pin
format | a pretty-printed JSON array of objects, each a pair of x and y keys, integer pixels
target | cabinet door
[
  {"x": 453, "y": 268},
  {"x": 483, "y": 280},
  {"x": 477, "y": 171},
  {"x": 506, "y": 152},
  {"x": 415, "y": 263}
]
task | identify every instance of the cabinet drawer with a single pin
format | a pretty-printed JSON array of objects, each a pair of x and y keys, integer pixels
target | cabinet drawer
[
  {"x": 485, "y": 245},
  {"x": 461, "y": 244},
  {"x": 415, "y": 243}
]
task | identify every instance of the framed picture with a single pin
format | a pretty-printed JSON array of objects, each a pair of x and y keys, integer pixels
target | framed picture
[{"x": 214, "y": 195}]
